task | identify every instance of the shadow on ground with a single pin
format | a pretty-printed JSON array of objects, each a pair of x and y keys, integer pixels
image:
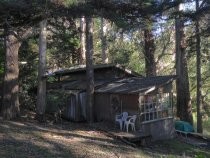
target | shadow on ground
[{"x": 21, "y": 139}]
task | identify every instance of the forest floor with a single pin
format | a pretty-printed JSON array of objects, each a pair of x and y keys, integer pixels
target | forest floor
[{"x": 27, "y": 138}]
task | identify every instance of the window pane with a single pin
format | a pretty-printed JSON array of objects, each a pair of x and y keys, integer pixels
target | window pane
[{"x": 154, "y": 107}]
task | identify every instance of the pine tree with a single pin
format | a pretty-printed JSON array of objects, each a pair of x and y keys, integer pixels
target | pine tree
[
  {"x": 184, "y": 107},
  {"x": 10, "y": 104},
  {"x": 89, "y": 68},
  {"x": 41, "y": 91}
]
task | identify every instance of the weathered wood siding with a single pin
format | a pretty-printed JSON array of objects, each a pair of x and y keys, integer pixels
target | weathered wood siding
[
  {"x": 72, "y": 104},
  {"x": 102, "y": 108},
  {"x": 130, "y": 103},
  {"x": 161, "y": 129},
  {"x": 105, "y": 110},
  {"x": 75, "y": 109}
]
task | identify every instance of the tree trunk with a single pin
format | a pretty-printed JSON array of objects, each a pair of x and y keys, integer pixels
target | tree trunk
[
  {"x": 89, "y": 68},
  {"x": 10, "y": 104},
  {"x": 184, "y": 107},
  {"x": 199, "y": 85},
  {"x": 103, "y": 42},
  {"x": 82, "y": 41},
  {"x": 41, "y": 91},
  {"x": 149, "y": 53}
]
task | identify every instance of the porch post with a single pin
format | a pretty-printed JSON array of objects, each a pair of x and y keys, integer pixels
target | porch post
[{"x": 140, "y": 106}]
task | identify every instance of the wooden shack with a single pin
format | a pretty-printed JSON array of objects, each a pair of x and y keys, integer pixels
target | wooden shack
[
  {"x": 150, "y": 98},
  {"x": 118, "y": 90},
  {"x": 70, "y": 85}
]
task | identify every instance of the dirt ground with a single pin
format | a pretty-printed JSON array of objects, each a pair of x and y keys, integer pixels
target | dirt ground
[{"x": 30, "y": 139}]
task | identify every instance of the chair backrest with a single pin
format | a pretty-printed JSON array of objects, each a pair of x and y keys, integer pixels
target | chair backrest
[
  {"x": 124, "y": 116},
  {"x": 133, "y": 118}
]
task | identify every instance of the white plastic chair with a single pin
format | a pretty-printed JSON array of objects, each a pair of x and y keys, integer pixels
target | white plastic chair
[
  {"x": 121, "y": 119},
  {"x": 130, "y": 121}
]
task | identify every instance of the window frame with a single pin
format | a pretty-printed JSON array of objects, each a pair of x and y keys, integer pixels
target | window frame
[{"x": 155, "y": 107}]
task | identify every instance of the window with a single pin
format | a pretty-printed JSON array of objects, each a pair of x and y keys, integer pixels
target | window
[{"x": 154, "y": 107}]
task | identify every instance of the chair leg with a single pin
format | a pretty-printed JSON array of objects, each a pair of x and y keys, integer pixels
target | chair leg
[
  {"x": 124, "y": 126},
  {"x": 121, "y": 126},
  {"x": 133, "y": 128},
  {"x": 127, "y": 126}
]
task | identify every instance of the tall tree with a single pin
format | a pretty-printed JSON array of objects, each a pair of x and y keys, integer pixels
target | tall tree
[
  {"x": 12, "y": 42},
  {"x": 149, "y": 49},
  {"x": 184, "y": 107},
  {"x": 198, "y": 53},
  {"x": 10, "y": 105},
  {"x": 104, "y": 53},
  {"x": 41, "y": 91},
  {"x": 82, "y": 41},
  {"x": 89, "y": 68}
]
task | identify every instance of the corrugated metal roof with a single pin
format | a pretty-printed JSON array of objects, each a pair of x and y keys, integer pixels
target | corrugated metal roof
[{"x": 135, "y": 85}]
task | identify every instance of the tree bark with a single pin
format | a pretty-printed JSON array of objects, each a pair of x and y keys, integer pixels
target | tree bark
[
  {"x": 82, "y": 41},
  {"x": 149, "y": 53},
  {"x": 184, "y": 107},
  {"x": 41, "y": 91},
  {"x": 103, "y": 42},
  {"x": 89, "y": 68},
  {"x": 10, "y": 104},
  {"x": 199, "y": 85}
]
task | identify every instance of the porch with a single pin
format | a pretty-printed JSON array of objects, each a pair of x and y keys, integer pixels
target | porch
[{"x": 132, "y": 137}]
